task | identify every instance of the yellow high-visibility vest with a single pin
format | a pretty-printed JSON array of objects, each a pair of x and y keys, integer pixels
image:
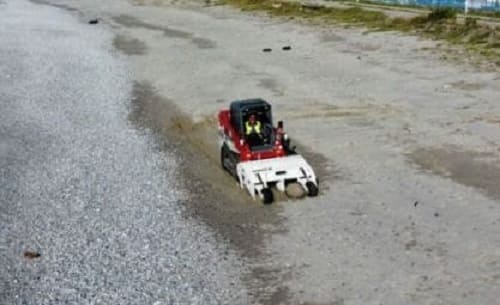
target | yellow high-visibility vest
[{"x": 249, "y": 128}]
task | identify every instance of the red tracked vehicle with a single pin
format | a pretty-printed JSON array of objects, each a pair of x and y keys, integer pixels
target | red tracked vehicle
[{"x": 260, "y": 161}]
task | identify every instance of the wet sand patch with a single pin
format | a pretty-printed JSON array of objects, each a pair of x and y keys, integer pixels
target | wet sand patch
[
  {"x": 132, "y": 22},
  {"x": 270, "y": 84},
  {"x": 463, "y": 167},
  {"x": 204, "y": 43},
  {"x": 129, "y": 46},
  {"x": 61, "y": 6},
  {"x": 466, "y": 86}
]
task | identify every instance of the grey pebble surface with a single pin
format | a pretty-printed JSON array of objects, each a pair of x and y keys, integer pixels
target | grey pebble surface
[{"x": 96, "y": 197}]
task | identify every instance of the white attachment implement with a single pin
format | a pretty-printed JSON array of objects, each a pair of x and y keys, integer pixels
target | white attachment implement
[{"x": 257, "y": 174}]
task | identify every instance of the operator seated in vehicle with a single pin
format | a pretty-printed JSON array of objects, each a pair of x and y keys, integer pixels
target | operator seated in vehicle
[
  {"x": 253, "y": 130},
  {"x": 252, "y": 125}
]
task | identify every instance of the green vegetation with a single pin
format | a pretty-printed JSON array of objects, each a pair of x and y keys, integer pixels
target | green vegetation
[
  {"x": 440, "y": 23},
  {"x": 442, "y": 13}
]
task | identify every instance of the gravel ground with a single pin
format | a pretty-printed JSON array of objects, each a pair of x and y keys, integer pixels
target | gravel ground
[{"x": 96, "y": 198}]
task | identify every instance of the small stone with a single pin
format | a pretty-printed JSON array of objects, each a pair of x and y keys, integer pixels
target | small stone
[{"x": 31, "y": 254}]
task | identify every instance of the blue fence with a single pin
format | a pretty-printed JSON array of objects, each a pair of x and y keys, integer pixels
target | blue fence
[{"x": 489, "y": 5}]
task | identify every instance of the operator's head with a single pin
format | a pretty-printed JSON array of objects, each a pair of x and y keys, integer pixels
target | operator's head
[{"x": 252, "y": 118}]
